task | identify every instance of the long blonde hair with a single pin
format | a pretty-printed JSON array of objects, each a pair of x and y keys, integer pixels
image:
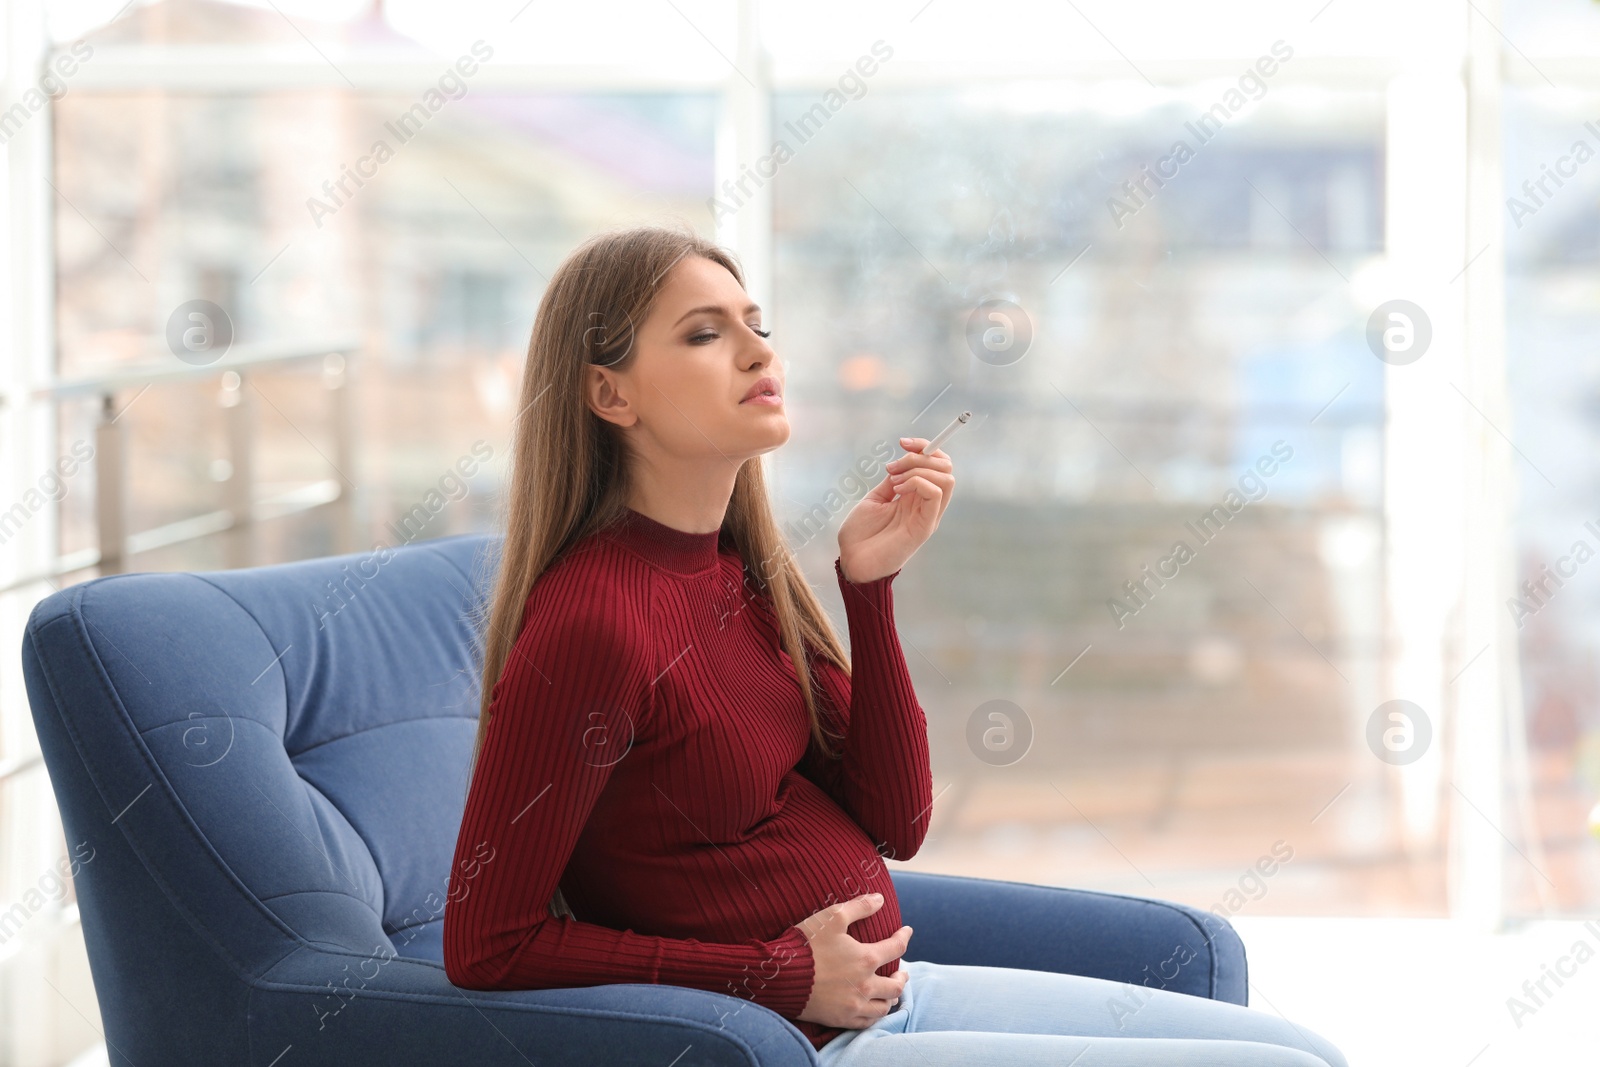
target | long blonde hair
[{"x": 569, "y": 468}]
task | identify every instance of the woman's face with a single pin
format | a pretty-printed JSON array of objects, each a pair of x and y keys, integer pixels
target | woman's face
[{"x": 696, "y": 357}]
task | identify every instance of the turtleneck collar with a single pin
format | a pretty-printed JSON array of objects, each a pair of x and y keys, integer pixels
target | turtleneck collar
[{"x": 666, "y": 546}]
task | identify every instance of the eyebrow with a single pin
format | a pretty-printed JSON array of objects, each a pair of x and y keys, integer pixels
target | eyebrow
[{"x": 716, "y": 310}]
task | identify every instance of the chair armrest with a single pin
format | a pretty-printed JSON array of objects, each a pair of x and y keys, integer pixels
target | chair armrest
[
  {"x": 1071, "y": 931},
  {"x": 347, "y": 1009}
]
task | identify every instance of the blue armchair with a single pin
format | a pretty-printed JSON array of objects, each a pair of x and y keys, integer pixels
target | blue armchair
[{"x": 266, "y": 769}]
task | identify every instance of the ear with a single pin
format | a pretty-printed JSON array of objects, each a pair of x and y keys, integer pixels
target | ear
[{"x": 604, "y": 391}]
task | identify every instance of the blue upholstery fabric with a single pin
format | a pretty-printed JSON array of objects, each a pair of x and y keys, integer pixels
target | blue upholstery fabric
[{"x": 270, "y": 765}]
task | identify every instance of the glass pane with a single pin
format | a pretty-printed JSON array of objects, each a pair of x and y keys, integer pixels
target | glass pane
[
  {"x": 1161, "y": 349},
  {"x": 322, "y": 216},
  {"x": 1552, "y": 316}
]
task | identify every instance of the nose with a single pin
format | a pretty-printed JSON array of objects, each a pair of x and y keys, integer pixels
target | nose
[{"x": 757, "y": 350}]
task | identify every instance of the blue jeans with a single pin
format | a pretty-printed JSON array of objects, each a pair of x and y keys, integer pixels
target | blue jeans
[{"x": 961, "y": 1016}]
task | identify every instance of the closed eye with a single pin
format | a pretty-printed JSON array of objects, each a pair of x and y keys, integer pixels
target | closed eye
[{"x": 707, "y": 336}]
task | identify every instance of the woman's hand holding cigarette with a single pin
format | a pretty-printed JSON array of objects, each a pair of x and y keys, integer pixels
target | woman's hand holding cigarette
[{"x": 898, "y": 515}]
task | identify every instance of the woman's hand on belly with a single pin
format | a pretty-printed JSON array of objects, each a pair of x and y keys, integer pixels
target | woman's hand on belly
[{"x": 846, "y": 991}]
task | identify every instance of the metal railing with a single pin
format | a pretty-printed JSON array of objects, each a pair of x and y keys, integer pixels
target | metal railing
[{"x": 242, "y": 509}]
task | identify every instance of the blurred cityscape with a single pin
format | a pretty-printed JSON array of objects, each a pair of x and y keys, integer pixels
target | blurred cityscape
[{"x": 1170, "y": 744}]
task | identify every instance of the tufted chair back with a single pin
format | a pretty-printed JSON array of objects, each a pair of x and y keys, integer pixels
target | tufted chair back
[{"x": 284, "y": 750}]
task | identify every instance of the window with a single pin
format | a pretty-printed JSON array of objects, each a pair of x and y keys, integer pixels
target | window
[{"x": 1335, "y": 345}]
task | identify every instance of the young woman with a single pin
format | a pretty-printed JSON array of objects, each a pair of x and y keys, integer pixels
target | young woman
[{"x": 679, "y": 776}]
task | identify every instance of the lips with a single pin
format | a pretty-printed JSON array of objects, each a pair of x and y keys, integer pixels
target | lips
[{"x": 767, "y": 385}]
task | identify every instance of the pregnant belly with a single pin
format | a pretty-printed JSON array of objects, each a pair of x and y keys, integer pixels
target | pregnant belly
[{"x": 807, "y": 855}]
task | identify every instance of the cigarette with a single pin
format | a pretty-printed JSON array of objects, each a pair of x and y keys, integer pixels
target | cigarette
[{"x": 944, "y": 435}]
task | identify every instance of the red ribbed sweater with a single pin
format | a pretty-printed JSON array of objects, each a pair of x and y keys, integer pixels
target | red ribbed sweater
[{"x": 649, "y": 752}]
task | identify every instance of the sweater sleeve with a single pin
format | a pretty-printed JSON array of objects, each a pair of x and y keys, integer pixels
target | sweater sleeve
[
  {"x": 562, "y": 715},
  {"x": 884, "y": 780}
]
